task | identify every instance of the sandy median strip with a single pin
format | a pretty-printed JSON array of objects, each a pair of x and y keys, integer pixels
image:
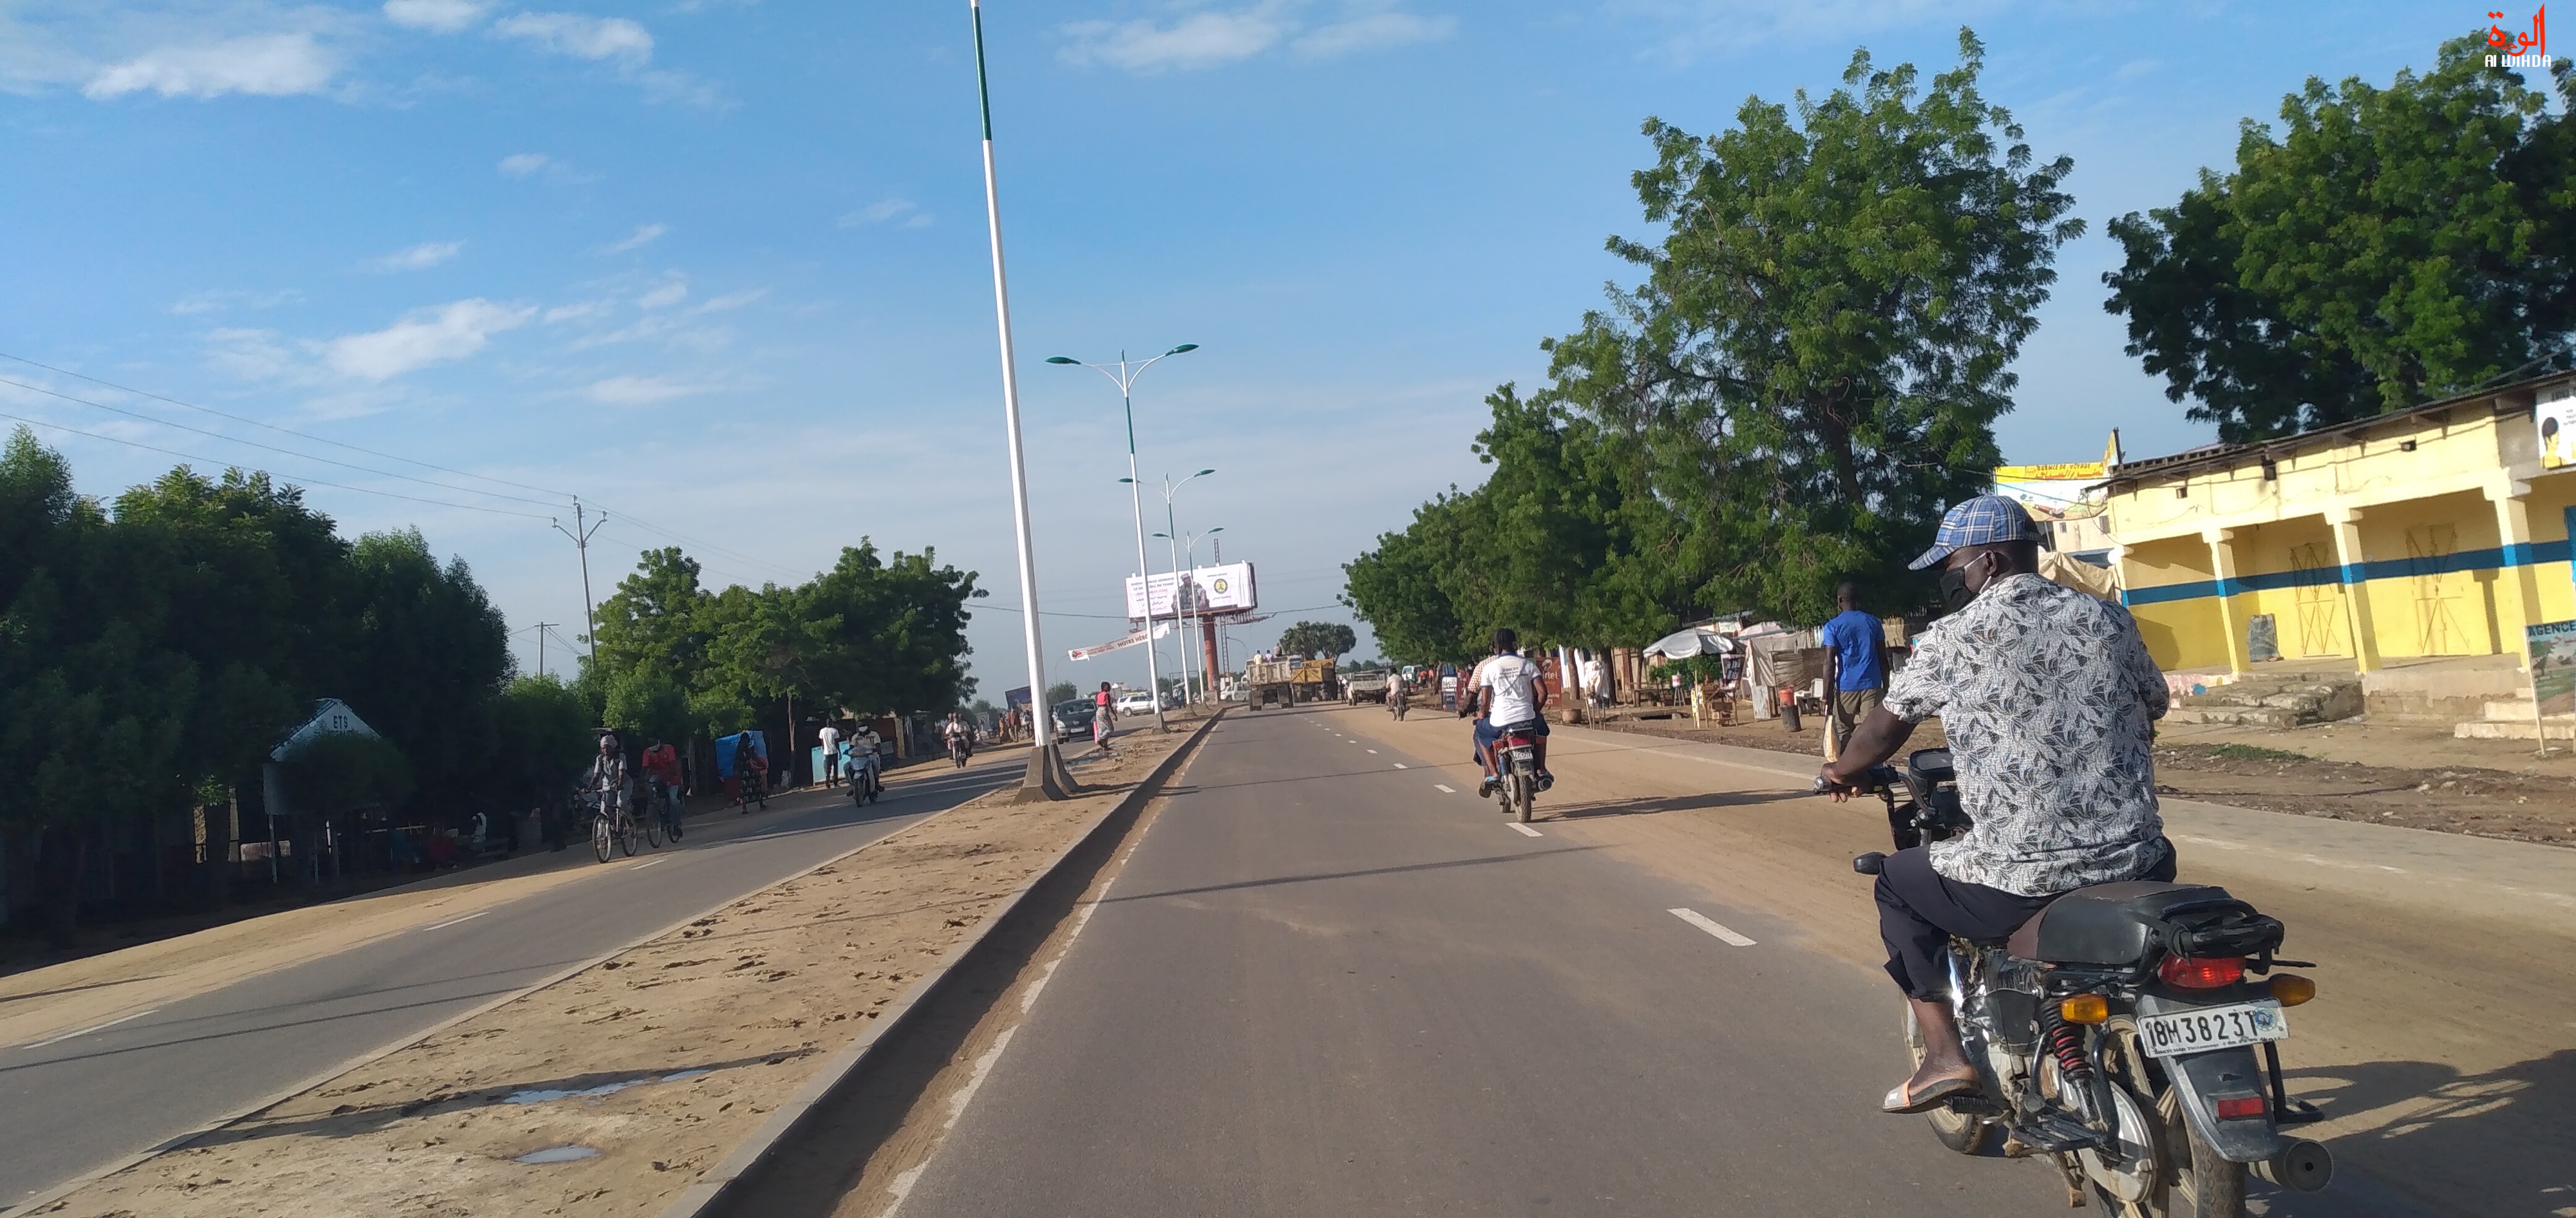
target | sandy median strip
[{"x": 625, "y": 1082}]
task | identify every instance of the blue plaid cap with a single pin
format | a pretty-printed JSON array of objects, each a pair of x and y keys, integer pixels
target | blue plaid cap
[{"x": 1983, "y": 521}]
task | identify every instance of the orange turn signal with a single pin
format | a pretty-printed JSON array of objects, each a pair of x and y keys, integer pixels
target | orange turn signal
[
  {"x": 2292, "y": 989},
  {"x": 2085, "y": 1008}
]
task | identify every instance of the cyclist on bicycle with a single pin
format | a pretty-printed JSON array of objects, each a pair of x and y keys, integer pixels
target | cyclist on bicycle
[
  {"x": 607, "y": 778},
  {"x": 662, "y": 769}
]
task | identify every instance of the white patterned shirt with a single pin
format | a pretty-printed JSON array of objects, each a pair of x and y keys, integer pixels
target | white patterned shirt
[{"x": 2046, "y": 695}]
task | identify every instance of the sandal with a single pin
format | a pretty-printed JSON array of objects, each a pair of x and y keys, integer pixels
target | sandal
[{"x": 1899, "y": 1102}]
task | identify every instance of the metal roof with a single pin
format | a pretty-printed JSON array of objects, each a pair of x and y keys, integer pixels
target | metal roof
[{"x": 2230, "y": 456}]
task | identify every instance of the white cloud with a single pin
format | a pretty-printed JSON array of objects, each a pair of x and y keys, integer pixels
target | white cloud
[
  {"x": 1200, "y": 40},
  {"x": 644, "y": 235},
  {"x": 578, "y": 311},
  {"x": 254, "y": 355},
  {"x": 642, "y": 390},
  {"x": 439, "y": 16},
  {"x": 419, "y": 257},
  {"x": 427, "y": 336},
  {"x": 521, "y": 164},
  {"x": 581, "y": 36},
  {"x": 730, "y": 301},
  {"x": 664, "y": 296},
  {"x": 272, "y": 65},
  {"x": 1373, "y": 32},
  {"x": 209, "y": 302},
  {"x": 885, "y": 211}
]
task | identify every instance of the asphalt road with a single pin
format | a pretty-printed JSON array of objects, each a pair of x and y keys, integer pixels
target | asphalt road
[
  {"x": 1323, "y": 985},
  {"x": 72, "y": 1104}
]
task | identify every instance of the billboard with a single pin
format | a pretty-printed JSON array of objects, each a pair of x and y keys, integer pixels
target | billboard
[{"x": 1219, "y": 589}]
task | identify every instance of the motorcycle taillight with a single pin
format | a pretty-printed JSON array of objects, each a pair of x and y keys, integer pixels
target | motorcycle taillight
[{"x": 2201, "y": 973}]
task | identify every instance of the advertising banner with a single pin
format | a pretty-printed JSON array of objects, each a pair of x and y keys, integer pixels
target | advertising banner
[
  {"x": 1220, "y": 589},
  {"x": 1132, "y": 638},
  {"x": 2555, "y": 415},
  {"x": 2553, "y": 666}
]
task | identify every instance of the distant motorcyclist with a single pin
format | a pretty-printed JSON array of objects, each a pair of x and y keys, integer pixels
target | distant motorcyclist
[
  {"x": 1507, "y": 690},
  {"x": 960, "y": 738},
  {"x": 2046, "y": 696}
]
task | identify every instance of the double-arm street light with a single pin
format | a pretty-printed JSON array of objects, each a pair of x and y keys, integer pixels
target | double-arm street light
[
  {"x": 1124, "y": 375},
  {"x": 1171, "y": 488},
  {"x": 1189, "y": 546}
]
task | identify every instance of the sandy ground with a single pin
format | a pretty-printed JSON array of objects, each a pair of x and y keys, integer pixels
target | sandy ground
[
  {"x": 638, "y": 1074},
  {"x": 2390, "y": 774},
  {"x": 2443, "y": 1053}
]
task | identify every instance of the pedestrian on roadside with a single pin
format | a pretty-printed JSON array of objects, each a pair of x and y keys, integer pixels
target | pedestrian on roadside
[
  {"x": 1855, "y": 667},
  {"x": 1104, "y": 709},
  {"x": 831, "y": 741}
]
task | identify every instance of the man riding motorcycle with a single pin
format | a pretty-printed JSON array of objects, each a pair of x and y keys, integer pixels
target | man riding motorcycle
[
  {"x": 959, "y": 736},
  {"x": 2047, "y": 696},
  {"x": 1504, "y": 696}
]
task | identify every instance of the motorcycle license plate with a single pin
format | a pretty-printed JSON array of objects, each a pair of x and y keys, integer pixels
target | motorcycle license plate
[{"x": 2206, "y": 1028}]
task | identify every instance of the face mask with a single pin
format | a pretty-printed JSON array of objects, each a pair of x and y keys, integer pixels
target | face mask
[{"x": 1955, "y": 592}]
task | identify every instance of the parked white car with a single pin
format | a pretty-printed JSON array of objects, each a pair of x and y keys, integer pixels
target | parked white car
[{"x": 1135, "y": 702}]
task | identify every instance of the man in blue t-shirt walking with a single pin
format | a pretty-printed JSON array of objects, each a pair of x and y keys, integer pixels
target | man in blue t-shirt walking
[{"x": 1856, "y": 666}]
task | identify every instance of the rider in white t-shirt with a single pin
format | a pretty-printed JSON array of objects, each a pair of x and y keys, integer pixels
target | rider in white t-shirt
[{"x": 1509, "y": 688}]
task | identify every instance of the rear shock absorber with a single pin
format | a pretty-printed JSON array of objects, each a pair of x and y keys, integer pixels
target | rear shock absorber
[{"x": 2064, "y": 1042}]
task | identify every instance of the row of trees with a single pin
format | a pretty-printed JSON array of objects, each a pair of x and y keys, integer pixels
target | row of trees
[
  {"x": 153, "y": 649},
  {"x": 876, "y": 632},
  {"x": 156, "y": 647},
  {"x": 1811, "y": 368}
]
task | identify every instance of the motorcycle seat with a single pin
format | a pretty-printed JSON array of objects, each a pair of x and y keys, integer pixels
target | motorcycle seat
[{"x": 2106, "y": 923}]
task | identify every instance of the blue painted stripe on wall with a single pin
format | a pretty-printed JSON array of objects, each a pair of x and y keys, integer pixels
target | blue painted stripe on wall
[{"x": 2522, "y": 555}]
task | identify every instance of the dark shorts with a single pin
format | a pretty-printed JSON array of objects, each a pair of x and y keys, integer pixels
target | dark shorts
[{"x": 1920, "y": 909}]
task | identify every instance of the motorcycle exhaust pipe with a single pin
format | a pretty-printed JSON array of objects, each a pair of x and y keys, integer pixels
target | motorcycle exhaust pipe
[{"x": 2303, "y": 1165}]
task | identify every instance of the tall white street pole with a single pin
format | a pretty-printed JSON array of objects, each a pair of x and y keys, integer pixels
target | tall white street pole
[
  {"x": 1125, "y": 379},
  {"x": 1040, "y": 780}
]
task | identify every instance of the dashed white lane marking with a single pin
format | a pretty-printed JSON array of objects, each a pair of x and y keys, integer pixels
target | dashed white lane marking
[
  {"x": 467, "y": 918},
  {"x": 650, "y": 863},
  {"x": 1372, "y": 750},
  {"x": 96, "y": 1027},
  {"x": 1444, "y": 788},
  {"x": 1693, "y": 917},
  {"x": 1524, "y": 830},
  {"x": 1401, "y": 766}
]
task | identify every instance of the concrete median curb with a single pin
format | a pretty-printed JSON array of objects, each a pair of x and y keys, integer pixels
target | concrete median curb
[{"x": 712, "y": 1190}]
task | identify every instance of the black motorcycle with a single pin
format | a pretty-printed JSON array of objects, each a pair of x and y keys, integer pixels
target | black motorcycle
[{"x": 2122, "y": 1032}]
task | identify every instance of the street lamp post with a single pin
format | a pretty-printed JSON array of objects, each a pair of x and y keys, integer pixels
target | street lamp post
[
  {"x": 1189, "y": 546},
  {"x": 1125, "y": 378},
  {"x": 1046, "y": 777},
  {"x": 1171, "y": 488}
]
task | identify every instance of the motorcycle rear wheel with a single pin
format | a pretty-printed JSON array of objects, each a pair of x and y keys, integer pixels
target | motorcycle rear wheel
[
  {"x": 1968, "y": 1135},
  {"x": 2192, "y": 1180}
]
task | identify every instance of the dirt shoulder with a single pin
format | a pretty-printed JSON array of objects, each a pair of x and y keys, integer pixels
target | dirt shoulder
[
  {"x": 2311, "y": 772},
  {"x": 613, "y": 1090}
]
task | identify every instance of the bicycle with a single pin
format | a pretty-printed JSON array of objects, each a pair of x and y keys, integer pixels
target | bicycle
[{"x": 610, "y": 828}]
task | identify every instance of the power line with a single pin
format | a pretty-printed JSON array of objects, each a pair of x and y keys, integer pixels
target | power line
[
  {"x": 470, "y": 507},
  {"x": 157, "y": 422},
  {"x": 145, "y": 393}
]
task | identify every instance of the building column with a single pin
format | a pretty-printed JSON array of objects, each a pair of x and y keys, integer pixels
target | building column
[
  {"x": 2346, "y": 522},
  {"x": 2222, "y": 563},
  {"x": 2518, "y": 582}
]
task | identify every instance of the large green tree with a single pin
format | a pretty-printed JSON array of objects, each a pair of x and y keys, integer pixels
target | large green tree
[
  {"x": 1811, "y": 371},
  {"x": 2384, "y": 247}
]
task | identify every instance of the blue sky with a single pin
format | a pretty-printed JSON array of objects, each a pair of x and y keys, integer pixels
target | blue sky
[{"x": 720, "y": 266}]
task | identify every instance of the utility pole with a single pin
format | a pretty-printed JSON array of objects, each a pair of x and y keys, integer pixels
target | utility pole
[
  {"x": 580, "y": 535},
  {"x": 542, "y": 627}
]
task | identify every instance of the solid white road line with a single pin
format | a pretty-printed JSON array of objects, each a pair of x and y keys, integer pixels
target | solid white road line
[
  {"x": 1525, "y": 830},
  {"x": 1444, "y": 788},
  {"x": 1693, "y": 917},
  {"x": 453, "y": 921},
  {"x": 96, "y": 1027},
  {"x": 650, "y": 863}
]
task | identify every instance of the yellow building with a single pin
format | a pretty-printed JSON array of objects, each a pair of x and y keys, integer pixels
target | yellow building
[{"x": 2437, "y": 531}]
